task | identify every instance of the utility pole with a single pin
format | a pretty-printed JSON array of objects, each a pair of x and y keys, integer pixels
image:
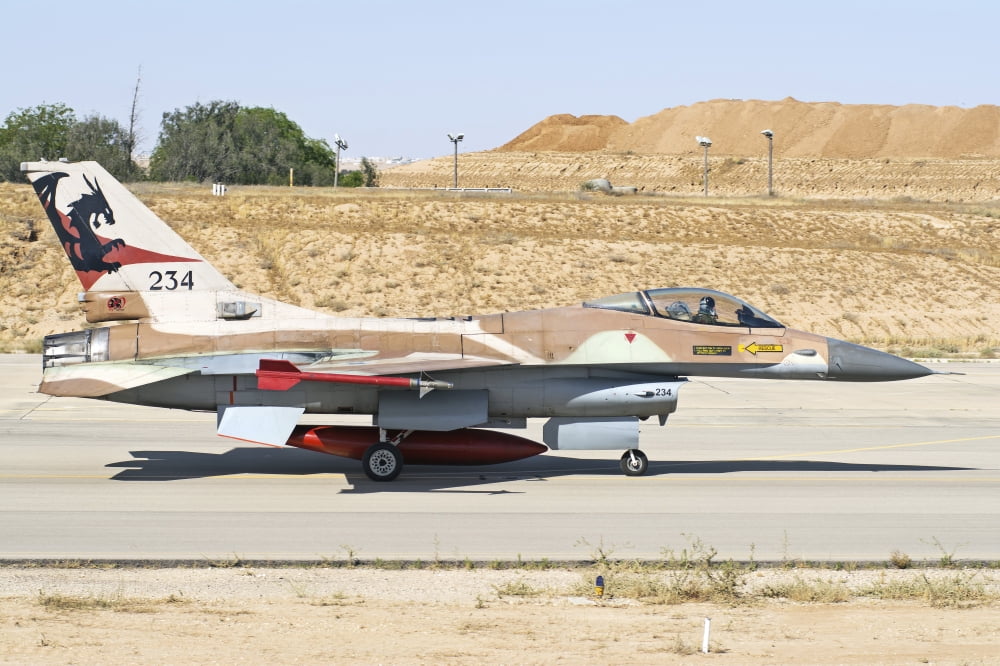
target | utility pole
[
  {"x": 770, "y": 161},
  {"x": 455, "y": 138},
  {"x": 341, "y": 144},
  {"x": 705, "y": 143}
]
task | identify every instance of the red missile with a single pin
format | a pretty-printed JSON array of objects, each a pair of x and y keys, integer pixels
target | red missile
[
  {"x": 466, "y": 446},
  {"x": 281, "y": 375}
]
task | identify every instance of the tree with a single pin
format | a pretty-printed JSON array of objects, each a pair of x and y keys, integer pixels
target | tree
[
  {"x": 224, "y": 142},
  {"x": 351, "y": 179},
  {"x": 196, "y": 143},
  {"x": 370, "y": 172},
  {"x": 104, "y": 140},
  {"x": 33, "y": 134},
  {"x": 132, "y": 137}
]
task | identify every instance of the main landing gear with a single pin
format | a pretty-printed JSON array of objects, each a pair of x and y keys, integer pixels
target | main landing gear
[
  {"x": 634, "y": 463},
  {"x": 382, "y": 462}
]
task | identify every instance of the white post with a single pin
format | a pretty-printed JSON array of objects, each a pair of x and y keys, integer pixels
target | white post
[{"x": 704, "y": 640}]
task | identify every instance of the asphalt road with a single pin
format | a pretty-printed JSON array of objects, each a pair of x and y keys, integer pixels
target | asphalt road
[{"x": 753, "y": 468}]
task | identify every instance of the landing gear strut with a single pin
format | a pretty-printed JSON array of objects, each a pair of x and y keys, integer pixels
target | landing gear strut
[
  {"x": 382, "y": 462},
  {"x": 634, "y": 463}
]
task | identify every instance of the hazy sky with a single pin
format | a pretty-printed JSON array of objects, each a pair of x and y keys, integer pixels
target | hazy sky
[{"x": 393, "y": 78}]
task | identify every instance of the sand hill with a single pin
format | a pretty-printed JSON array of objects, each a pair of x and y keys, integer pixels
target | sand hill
[
  {"x": 802, "y": 129},
  {"x": 821, "y": 150}
]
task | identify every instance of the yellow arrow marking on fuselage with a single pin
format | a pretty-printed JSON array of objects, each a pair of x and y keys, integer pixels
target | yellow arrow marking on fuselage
[{"x": 753, "y": 348}]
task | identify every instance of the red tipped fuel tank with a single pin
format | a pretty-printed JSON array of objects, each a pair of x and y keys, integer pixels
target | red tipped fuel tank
[{"x": 466, "y": 446}]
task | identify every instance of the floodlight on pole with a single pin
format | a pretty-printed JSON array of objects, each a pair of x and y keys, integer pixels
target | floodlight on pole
[
  {"x": 770, "y": 161},
  {"x": 341, "y": 145},
  {"x": 705, "y": 143},
  {"x": 455, "y": 138}
]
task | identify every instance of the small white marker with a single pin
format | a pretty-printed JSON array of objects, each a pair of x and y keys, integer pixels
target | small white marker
[{"x": 704, "y": 640}]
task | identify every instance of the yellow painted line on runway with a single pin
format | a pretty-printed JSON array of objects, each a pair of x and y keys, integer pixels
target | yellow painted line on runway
[
  {"x": 862, "y": 476},
  {"x": 872, "y": 448}
]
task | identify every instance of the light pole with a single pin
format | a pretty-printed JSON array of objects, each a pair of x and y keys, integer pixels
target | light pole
[
  {"x": 770, "y": 163},
  {"x": 341, "y": 145},
  {"x": 705, "y": 142},
  {"x": 455, "y": 138}
]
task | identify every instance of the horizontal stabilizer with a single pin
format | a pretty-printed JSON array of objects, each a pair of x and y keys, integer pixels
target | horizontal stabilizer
[{"x": 93, "y": 380}]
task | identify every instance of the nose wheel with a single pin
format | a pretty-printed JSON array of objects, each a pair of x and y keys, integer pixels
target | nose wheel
[{"x": 634, "y": 463}]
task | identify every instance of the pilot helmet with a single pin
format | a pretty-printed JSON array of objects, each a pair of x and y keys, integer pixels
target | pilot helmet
[{"x": 707, "y": 305}]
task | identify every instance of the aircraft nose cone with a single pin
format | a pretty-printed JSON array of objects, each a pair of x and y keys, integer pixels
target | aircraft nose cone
[{"x": 854, "y": 363}]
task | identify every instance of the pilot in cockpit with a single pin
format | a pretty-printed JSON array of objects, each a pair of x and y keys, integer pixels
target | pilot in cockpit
[{"x": 706, "y": 311}]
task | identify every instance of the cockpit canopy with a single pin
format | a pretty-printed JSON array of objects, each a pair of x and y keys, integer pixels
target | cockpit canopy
[{"x": 698, "y": 306}]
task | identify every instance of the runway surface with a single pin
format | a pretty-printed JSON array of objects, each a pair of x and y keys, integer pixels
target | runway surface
[{"x": 753, "y": 468}]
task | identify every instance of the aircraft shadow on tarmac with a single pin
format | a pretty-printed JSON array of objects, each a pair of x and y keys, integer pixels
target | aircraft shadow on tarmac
[{"x": 181, "y": 465}]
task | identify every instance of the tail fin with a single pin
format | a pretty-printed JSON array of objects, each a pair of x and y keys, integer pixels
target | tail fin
[{"x": 113, "y": 241}]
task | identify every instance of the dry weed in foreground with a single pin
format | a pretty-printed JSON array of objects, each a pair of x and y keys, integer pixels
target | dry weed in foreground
[{"x": 55, "y": 601}]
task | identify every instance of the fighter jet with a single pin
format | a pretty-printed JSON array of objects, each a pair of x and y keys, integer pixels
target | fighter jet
[{"x": 175, "y": 333}]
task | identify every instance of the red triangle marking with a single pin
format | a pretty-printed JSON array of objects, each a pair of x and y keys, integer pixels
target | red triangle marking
[{"x": 630, "y": 337}]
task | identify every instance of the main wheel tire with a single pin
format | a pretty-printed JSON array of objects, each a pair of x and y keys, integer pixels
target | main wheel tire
[
  {"x": 382, "y": 462},
  {"x": 634, "y": 463}
]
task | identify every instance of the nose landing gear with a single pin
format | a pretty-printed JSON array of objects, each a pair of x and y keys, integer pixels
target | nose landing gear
[{"x": 634, "y": 463}]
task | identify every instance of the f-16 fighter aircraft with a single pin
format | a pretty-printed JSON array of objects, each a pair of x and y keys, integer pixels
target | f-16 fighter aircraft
[{"x": 179, "y": 334}]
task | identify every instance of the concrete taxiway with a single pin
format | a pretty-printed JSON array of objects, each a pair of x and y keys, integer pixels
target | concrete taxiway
[{"x": 753, "y": 468}]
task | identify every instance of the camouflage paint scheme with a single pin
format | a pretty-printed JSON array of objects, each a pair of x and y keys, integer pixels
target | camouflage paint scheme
[{"x": 182, "y": 335}]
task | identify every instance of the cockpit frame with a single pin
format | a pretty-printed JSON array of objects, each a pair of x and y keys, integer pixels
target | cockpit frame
[{"x": 689, "y": 304}]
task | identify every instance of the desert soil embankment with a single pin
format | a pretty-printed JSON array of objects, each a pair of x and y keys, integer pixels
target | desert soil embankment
[
  {"x": 915, "y": 278},
  {"x": 820, "y": 178}
]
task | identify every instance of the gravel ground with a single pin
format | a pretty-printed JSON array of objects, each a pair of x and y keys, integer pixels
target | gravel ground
[
  {"x": 419, "y": 585},
  {"x": 258, "y": 615}
]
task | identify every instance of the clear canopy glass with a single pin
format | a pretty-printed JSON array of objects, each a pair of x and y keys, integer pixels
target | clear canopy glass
[{"x": 691, "y": 304}]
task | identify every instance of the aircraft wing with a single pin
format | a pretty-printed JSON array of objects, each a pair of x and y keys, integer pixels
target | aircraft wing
[
  {"x": 273, "y": 424},
  {"x": 411, "y": 364},
  {"x": 282, "y": 374}
]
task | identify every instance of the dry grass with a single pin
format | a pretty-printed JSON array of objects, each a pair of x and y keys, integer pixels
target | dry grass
[
  {"x": 916, "y": 278},
  {"x": 58, "y": 602}
]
